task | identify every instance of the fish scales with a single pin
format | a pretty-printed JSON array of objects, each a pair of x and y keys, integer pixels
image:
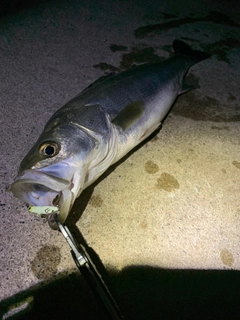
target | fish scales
[{"x": 98, "y": 127}]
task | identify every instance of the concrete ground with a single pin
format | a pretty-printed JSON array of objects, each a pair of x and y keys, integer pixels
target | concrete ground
[{"x": 163, "y": 225}]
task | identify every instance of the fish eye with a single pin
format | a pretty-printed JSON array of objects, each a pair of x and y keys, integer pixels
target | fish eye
[{"x": 49, "y": 149}]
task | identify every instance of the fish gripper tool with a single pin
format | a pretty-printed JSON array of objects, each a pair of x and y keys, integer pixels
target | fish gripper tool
[{"x": 90, "y": 273}]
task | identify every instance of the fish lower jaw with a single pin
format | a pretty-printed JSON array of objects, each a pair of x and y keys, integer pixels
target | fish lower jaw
[
  {"x": 62, "y": 200},
  {"x": 33, "y": 198}
]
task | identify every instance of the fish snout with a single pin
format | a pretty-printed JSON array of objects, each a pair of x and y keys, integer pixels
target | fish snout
[{"x": 39, "y": 189}]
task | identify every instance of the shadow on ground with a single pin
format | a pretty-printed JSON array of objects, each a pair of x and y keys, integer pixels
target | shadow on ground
[{"x": 142, "y": 293}]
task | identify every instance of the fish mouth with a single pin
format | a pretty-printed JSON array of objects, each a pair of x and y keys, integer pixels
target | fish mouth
[{"x": 37, "y": 188}]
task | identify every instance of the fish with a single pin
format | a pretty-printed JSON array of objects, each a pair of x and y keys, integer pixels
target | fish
[{"x": 98, "y": 127}]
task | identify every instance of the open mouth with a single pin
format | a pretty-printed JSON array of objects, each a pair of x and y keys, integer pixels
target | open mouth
[{"x": 39, "y": 189}]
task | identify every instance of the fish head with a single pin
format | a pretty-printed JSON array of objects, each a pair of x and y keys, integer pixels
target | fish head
[{"x": 54, "y": 171}]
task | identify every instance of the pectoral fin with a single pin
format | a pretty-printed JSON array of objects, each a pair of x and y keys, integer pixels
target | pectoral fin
[
  {"x": 129, "y": 115},
  {"x": 185, "y": 87}
]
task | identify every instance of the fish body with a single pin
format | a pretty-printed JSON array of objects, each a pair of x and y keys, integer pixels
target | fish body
[{"x": 98, "y": 127}]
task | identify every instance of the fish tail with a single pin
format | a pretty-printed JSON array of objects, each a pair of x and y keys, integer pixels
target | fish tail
[{"x": 180, "y": 47}]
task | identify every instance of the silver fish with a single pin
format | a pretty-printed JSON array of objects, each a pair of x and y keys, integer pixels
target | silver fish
[{"x": 98, "y": 127}]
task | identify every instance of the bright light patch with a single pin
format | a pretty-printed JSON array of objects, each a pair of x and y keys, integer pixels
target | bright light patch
[{"x": 18, "y": 308}]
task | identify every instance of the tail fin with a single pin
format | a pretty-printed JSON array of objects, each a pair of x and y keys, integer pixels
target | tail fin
[{"x": 196, "y": 56}]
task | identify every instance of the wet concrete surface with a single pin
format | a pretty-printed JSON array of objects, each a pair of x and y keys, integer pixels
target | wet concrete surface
[{"x": 162, "y": 225}]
